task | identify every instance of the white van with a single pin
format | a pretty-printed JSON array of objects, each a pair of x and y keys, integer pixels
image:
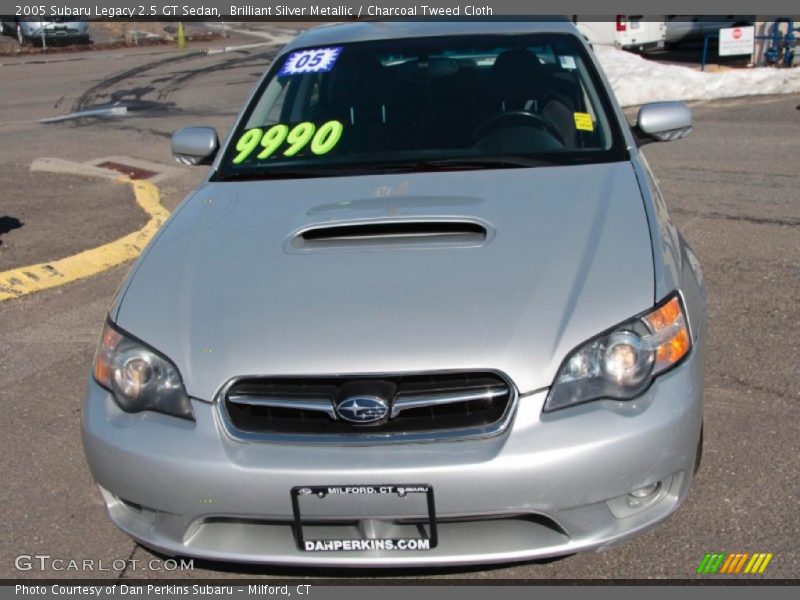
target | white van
[{"x": 630, "y": 32}]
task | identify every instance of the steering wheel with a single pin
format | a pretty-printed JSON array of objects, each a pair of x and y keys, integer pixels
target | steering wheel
[{"x": 517, "y": 117}]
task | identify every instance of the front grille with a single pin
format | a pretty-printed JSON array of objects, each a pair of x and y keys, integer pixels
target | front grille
[{"x": 415, "y": 404}]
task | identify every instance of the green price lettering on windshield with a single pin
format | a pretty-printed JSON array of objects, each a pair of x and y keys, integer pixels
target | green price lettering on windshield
[
  {"x": 322, "y": 140},
  {"x": 298, "y": 137},
  {"x": 246, "y": 144},
  {"x": 327, "y": 137},
  {"x": 273, "y": 138}
]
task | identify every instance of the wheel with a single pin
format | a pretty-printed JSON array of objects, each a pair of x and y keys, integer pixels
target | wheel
[{"x": 523, "y": 117}]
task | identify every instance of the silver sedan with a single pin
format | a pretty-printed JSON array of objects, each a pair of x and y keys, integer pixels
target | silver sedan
[{"x": 427, "y": 308}]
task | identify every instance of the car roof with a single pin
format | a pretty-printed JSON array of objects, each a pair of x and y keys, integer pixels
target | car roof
[{"x": 365, "y": 31}]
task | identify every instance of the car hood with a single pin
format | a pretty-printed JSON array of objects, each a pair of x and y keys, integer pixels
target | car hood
[{"x": 229, "y": 289}]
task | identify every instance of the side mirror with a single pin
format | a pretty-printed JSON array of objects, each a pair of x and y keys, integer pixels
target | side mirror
[
  {"x": 195, "y": 145},
  {"x": 663, "y": 122}
]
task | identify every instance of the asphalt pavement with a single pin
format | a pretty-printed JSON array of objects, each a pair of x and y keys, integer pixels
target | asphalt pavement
[{"x": 733, "y": 188}]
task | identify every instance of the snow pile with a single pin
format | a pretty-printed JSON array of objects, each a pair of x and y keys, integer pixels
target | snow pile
[{"x": 636, "y": 80}]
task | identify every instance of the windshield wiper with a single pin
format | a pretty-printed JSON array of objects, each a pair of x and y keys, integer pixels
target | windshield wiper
[
  {"x": 489, "y": 162},
  {"x": 469, "y": 162},
  {"x": 272, "y": 173}
]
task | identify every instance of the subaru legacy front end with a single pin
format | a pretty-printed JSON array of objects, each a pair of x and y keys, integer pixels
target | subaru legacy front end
[{"x": 428, "y": 307}]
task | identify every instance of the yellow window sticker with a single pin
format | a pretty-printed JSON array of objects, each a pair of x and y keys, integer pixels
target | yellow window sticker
[
  {"x": 583, "y": 121},
  {"x": 323, "y": 140}
]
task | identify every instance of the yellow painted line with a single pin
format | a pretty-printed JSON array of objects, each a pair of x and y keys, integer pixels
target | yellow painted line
[{"x": 25, "y": 280}]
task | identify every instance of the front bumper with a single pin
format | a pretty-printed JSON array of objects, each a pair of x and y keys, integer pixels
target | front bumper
[
  {"x": 549, "y": 485},
  {"x": 71, "y": 30},
  {"x": 644, "y": 46}
]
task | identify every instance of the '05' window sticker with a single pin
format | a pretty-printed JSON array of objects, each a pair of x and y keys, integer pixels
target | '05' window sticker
[
  {"x": 322, "y": 140},
  {"x": 314, "y": 60}
]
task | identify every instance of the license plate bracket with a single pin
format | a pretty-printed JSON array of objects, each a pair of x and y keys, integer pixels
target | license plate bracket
[{"x": 426, "y": 542}]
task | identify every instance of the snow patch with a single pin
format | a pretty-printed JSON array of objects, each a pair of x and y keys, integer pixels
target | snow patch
[{"x": 636, "y": 80}]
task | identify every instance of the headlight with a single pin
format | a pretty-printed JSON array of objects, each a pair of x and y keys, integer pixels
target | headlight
[
  {"x": 621, "y": 363},
  {"x": 139, "y": 378}
]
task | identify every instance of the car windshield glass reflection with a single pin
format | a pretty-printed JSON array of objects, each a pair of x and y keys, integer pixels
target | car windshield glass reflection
[{"x": 456, "y": 102}]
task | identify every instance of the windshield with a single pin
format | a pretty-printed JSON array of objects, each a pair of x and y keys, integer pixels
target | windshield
[{"x": 431, "y": 103}]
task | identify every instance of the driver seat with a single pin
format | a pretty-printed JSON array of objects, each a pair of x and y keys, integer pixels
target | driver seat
[{"x": 516, "y": 82}]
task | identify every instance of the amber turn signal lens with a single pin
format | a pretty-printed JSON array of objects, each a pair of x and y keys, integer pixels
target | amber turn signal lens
[
  {"x": 671, "y": 332},
  {"x": 103, "y": 371}
]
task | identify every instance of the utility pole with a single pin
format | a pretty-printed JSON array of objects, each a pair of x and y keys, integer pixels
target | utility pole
[{"x": 181, "y": 36}]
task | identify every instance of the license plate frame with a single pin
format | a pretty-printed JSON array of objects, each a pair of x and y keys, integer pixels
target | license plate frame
[{"x": 392, "y": 544}]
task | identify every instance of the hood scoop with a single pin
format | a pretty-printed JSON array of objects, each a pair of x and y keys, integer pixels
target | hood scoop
[{"x": 390, "y": 234}]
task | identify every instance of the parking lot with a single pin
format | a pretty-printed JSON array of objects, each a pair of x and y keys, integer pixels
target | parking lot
[{"x": 733, "y": 187}]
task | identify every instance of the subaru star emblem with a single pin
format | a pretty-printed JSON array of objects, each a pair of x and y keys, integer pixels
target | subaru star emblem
[{"x": 362, "y": 409}]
